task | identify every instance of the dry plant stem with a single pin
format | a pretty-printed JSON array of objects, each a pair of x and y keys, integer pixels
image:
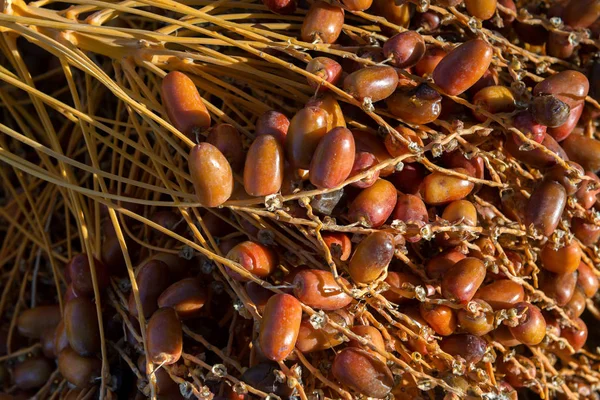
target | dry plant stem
[
  {"x": 20, "y": 352},
  {"x": 136, "y": 295},
  {"x": 314, "y": 371},
  {"x": 220, "y": 260},
  {"x": 158, "y": 162},
  {"x": 225, "y": 358},
  {"x": 289, "y": 374},
  {"x": 230, "y": 378},
  {"x": 128, "y": 360},
  {"x": 13, "y": 320},
  {"x": 553, "y": 371},
  {"x": 59, "y": 389},
  {"x": 42, "y": 231}
]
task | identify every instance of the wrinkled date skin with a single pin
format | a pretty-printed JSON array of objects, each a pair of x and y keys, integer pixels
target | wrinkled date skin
[
  {"x": 339, "y": 244},
  {"x": 470, "y": 347},
  {"x": 421, "y": 105},
  {"x": 439, "y": 317},
  {"x": 371, "y": 258},
  {"x": 569, "y": 86},
  {"x": 279, "y": 327},
  {"x": 319, "y": 289},
  {"x": 363, "y": 372},
  {"x": 563, "y": 131},
  {"x": 462, "y": 67},
  {"x": 550, "y": 111}
]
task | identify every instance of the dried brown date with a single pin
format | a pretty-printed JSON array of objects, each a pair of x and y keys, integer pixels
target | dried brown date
[
  {"x": 333, "y": 159},
  {"x": 280, "y": 326},
  {"x": 374, "y": 204},
  {"x": 372, "y": 83},
  {"x": 404, "y": 49},
  {"x": 545, "y": 207},
  {"x": 462, "y": 67},
  {"x": 322, "y": 23},
  {"x": 363, "y": 372},
  {"x": 372, "y": 256},
  {"x": 420, "y": 105},
  {"x": 463, "y": 279},
  {"x": 263, "y": 171}
]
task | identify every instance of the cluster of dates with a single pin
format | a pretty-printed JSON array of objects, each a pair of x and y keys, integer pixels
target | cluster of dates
[
  {"x": 459, "y": 293},
  {"x": 433, "y": 266}
]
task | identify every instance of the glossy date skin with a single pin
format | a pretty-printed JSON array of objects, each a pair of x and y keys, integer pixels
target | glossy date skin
[{"x": 280, "y": 326}]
